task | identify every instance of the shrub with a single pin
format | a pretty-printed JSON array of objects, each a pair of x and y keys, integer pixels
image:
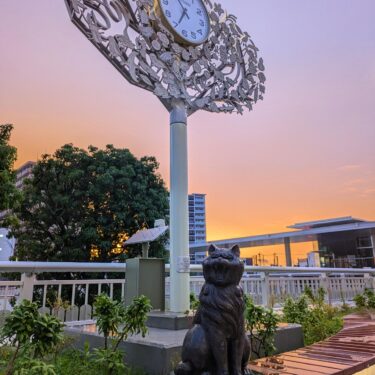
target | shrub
[
  {"x": 31, "y": 339},
  {"x": 318, "y": 319},
  {"x": 47, "y": 334},
  {"x": 30, "y": 333},
  {"x": 296, "y": 311},
  {"x": 261, "y": 324},
  {"x": 366, "y": 300},
  {"x": 360, "y": 301},
  {"x": 119, "y": 322},
  {"x": 34, "y": 367}
]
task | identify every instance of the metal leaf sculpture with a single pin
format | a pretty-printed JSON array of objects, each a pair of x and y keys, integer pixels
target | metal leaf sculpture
[{"x": 224, "y": 74}]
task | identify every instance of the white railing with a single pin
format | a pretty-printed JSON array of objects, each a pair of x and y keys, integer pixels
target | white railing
[{"x": 73, "y": 299}]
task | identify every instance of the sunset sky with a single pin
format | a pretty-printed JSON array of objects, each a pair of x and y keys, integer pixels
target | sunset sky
[{"x": 306, "y": 152}]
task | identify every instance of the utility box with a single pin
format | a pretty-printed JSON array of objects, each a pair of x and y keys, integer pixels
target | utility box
[{"x": 145, "y": 276}]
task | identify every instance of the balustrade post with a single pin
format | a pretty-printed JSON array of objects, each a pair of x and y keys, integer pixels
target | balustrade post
[
  {"x": 369, "y": 281},
  {"x": 245, "y": 288},
  {"x": 28, "y": 281},
  {"x": 264, "y": 277},
  {"x": 324, "y": 283}
]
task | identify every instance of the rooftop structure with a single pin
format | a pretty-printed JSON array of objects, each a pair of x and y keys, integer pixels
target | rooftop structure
[
  {"x": 344, "y": 241},
  {"x": 326, "y": 223}
]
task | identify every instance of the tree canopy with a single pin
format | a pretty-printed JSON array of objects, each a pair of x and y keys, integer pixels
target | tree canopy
[
  {"x": 81, "y": 205},
  {"x": 9, "y": 195}
]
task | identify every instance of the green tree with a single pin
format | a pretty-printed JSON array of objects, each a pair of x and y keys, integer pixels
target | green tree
[
  {"x": 9, "y": 194},
  {"x": 81, "y": 205}
]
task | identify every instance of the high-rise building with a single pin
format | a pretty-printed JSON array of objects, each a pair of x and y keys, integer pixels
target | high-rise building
[
  {"x": 25, "y": 171},
  {"x": 197, "y": 225},
  {"x": 197, "y": 218}
]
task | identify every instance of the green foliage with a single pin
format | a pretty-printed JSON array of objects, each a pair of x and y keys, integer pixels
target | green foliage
[
  {"x": 318, "y": 319},
  {"x": 261, "y": 324},
  {"x": 9, "y": 194},
  {"x": 34, "y": 367},
  {"x": 366, "y": 300},
  {"x": 111, "y": 361},
  {"x": 47, "y": 334},
  {"x": 360, "y": 301},
  {"x": 76, "y": 361},
  {"x": 36, "y": 345},
  {"x": 194, "y": 303},
  {"x": 19, "y": 325},
  {"x": 316, "y": 299},
  {"x": 32, "y": 334},
  {"x": 296, "y": 311},
  {"x": 67, "y": 362},
  {"x": 136, "y": 316},
  {"x": 115, "y": 320},
  {"x": 81, "y": 205},
  {"x": 109, "y": 315}
]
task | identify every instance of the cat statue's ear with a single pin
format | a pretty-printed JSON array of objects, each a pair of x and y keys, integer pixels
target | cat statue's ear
[
  {"x": 211, "y": 249},
  {"x": 236, "y": 250}
]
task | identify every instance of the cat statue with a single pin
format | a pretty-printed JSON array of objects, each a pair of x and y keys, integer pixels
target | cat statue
[{"x": 217, "y": 342}]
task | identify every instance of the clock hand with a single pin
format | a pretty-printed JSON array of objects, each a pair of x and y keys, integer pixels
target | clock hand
[
  {"x": 184, "y": 11},
  {"x": 181, "y": 5},
  {"x": 182, "y": 16}
]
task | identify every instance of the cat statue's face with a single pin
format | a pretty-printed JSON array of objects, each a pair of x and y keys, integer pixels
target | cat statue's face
[{"x": 223, "y": 267}]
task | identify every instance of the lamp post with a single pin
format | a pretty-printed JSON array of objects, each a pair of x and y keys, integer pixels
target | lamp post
[{"x": 193, "y": 56}]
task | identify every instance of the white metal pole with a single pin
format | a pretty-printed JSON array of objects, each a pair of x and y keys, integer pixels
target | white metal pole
[{"x": 179, "y": 214}]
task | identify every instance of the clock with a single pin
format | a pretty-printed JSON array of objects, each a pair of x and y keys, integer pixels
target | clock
[{"x": 187, "y": 20}]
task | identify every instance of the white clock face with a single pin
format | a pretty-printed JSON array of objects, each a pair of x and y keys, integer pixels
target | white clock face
[{"x": 188, "y": 18}]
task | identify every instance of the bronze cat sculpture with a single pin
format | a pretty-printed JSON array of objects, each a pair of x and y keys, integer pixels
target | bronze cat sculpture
[{"x": 217, "y": 342}]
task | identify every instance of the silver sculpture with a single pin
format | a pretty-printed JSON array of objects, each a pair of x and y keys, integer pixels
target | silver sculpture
[{"x": 224, "y": 74}]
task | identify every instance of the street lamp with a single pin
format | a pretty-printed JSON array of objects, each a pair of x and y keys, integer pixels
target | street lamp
[{"x": 193, "y": 56}]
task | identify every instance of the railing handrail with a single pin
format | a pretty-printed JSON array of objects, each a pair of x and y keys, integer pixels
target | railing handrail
[{"x": 39, "y": 267}]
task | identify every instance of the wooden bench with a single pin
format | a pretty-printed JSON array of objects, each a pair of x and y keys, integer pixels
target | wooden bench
[{"x": 349, "y": 352}]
